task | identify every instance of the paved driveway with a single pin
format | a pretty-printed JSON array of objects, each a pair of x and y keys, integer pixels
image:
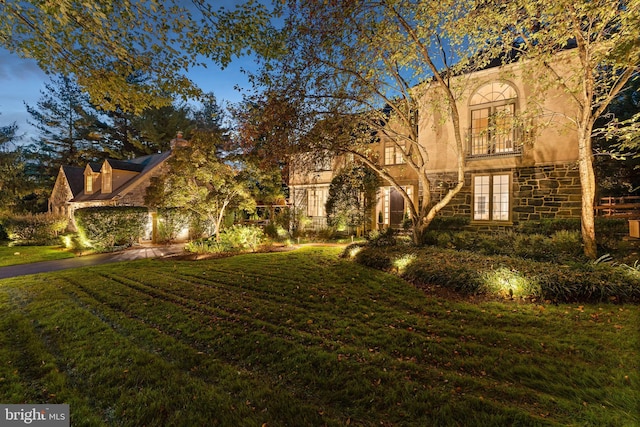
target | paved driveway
[{"x": 89, "y": 260}]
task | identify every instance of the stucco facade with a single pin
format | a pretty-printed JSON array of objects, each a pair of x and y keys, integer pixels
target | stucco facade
[{"x": 520, "y": 151}]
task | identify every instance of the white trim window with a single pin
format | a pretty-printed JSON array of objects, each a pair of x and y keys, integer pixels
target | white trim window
[
  {"x": 316, "y": 201},
  {"x": 491, "y": 197}
]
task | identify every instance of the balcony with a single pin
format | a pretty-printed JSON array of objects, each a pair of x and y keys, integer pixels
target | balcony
[{"x": 486, "y": 144}]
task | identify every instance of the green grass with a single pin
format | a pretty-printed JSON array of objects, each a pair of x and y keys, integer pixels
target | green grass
[
  {"x": 27, "y": 254},
  {"x": 304, "y": 338}
]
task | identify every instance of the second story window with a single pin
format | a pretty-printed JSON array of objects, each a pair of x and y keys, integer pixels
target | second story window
[
  {"x": 393, "y": 155},
  {"x": 493, "y": 111}
]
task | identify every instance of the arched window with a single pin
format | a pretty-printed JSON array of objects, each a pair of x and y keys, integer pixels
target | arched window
[{"x": 493, "y": 110}]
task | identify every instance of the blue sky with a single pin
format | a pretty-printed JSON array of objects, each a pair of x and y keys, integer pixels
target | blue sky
[{"x": 21, "y": 80}]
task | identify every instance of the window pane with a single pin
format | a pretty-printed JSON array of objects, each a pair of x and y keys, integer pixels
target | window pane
[
  {"x": 503, "y": 138},
  {"x": 388, "y": 155},
  {"x": 479, "y": 131},
  {"x": 481, "y": 198},
  {"x": 500, "y": 198}
]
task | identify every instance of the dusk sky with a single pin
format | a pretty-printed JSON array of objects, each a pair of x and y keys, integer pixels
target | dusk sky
[{"x": 21, "y": 81}]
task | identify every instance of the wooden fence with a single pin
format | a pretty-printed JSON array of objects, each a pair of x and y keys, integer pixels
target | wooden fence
[{"x": 619, "y": 207}]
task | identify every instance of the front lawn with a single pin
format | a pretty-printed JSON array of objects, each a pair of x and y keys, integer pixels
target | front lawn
[
  {"x": 305, "y": 338},
  {"x": 27, "y": 254}
]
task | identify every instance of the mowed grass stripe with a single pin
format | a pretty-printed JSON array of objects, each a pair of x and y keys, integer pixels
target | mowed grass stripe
[
  {"x": 350, "y": 352},
  {"x": 137, "y": 375},
  {"x": 374, "y": 351},
  {"x": 318, "y": 361},
  {"x": 519, "y": 372}
]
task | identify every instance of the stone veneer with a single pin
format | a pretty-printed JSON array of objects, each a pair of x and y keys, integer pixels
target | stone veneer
[{"x": 537, "y": 192}]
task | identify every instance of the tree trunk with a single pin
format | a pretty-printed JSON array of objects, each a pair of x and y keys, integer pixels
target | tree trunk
[{"x": 588, "y": 186}]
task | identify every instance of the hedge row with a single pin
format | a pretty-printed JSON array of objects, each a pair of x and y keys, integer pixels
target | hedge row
[
  {"x": 470, "y": 273},
  {"x": 33, "y": 229},
  {"x": 107, "y": 227}
]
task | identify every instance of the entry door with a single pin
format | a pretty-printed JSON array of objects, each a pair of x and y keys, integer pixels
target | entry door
[{"x": 396, "y": 208}]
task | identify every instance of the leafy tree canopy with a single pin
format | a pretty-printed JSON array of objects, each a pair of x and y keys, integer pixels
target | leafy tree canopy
[
  {"x": 351, "y": 195},
  {"x": 104, "y": 43},
  {"x": 200, "y": 181}
]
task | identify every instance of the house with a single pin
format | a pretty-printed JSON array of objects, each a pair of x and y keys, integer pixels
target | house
[
  {"x": 520, "y": 156},
  {"x": 108, "y": 183}
]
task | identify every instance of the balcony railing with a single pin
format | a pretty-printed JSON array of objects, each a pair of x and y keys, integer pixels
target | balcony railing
[{"x": 484, "y": 144}]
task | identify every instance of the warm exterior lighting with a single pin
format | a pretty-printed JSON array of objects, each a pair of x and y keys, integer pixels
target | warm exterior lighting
[
  {"x": 403, "y": 262},
  {"x": 509, "y": 283},
  {"x": 354, "y": 251},
  {"x": 67, "y": 241}
]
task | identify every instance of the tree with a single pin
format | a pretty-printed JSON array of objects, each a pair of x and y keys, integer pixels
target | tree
[
  {"x": 12, "y": 180},
  {"x": 351, "y": 194},
  {"x": 362, "y": 72},
  {"x": 617, "y": 144},
  {"x": 104, "y": 43},
  {"x": 601, "y": 37},
  {"x": 68, "y": 124},
  {"x": 198, "y": 180},
  {"x": 156, "y": 126}
]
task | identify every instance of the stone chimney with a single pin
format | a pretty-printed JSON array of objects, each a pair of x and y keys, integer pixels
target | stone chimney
[{"x": 178, "y": 141}]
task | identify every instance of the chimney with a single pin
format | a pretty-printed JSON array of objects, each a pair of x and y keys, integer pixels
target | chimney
[{"x": 178, "y": 141}]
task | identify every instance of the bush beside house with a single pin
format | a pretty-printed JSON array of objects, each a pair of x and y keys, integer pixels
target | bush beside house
[
  {"x": 33, "y": 229},
  {"x": 107, "y": 227},
  {"x": 541, "y": 260}
]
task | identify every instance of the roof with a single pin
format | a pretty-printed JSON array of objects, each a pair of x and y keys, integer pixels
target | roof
[
  {"x": 125, "y": 165},
  {"x": 75, "y": 178},
  {"x": 143, "y": 165}
]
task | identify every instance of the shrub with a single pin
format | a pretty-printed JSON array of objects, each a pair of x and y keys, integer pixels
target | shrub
[
  {"x": 549, "y": 226},
  {"x": 276, "y": 231},
  {"x": 533, "y": 246},
  {"x": 567, "y": 244},
  {"x": 107, "y": 227},
  {"x": 34, "y": 229},
  {"x": 467, "y": 240},
  {"x": 3, "y": 232},
  {"x": 171, "y": 222},
  {"x": 609, "y": 231},
  {"x": 237, "y": 238},
  {"x": 471, "y": 273},
  {"x": 385, "y": 237},
  {"x": 378, "y": 258},
  {"x": 242, "y": 237},
  {"x": 352, "y": 250},
  {"x": 449, "y": 223}
]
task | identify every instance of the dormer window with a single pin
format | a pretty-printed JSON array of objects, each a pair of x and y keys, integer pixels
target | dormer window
[
  {"x": 106, "y": 173},
  {"x": 88, "y": 183}
]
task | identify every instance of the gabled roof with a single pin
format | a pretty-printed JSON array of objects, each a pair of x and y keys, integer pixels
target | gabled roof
[
  {"x": 75, "y": 178},
  {"x": 125, "y": 165},
  {"x": 142, "y": 165}
]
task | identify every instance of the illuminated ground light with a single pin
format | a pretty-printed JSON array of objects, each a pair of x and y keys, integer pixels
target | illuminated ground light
[
  {"x": 403, "y": 262},
  {"x": 354, "y": 251},
  {"x": 67, "y": 241},
  {"x": 509, "y": 283}
]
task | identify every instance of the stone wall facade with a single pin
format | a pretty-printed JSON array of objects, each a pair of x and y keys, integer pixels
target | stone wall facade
[{"x": 537, "y": 192}]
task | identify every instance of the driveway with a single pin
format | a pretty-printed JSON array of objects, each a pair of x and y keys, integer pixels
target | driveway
[{"x": 89, "y": 260}]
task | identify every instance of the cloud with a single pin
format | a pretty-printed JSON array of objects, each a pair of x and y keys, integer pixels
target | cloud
[{"x": 15, "y": 68}]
